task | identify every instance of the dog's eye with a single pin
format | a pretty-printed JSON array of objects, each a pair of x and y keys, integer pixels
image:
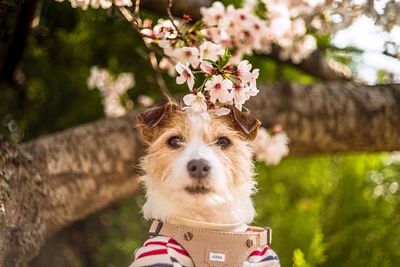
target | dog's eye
[
  {"x": 175, "y": 142},
  {"x": 223, "y": 142}
]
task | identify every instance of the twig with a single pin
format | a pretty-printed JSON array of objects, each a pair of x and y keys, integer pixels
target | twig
[
  {"x": 126, "y": 13},
  {"x": 350, "y": 49},
  {"x": 137, "y": 9},
  {"x": 171, "y": 17},
  {"x": 159, "y": 77},
  {"x": 135, "y": 20}
]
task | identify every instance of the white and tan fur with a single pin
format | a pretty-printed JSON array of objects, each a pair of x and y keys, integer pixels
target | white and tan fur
[{"x": 230, "y": 182}]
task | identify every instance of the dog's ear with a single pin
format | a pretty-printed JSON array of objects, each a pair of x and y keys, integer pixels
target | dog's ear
[
  {"x": 246, "y": 123},
  {"x": 149, "y": 120}
]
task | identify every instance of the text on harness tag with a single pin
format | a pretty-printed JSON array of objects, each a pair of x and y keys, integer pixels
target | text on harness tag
[{"x": 217, "y": 257}]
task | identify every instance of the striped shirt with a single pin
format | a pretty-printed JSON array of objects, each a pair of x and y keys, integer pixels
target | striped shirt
[{"x": 162, "y": 251}]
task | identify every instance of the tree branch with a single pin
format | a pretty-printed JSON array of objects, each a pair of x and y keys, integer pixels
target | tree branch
[
  {"x": 318, "y": 65},
  {"x": 179, "y": 7},
  {"x": 333, "y": 117}
]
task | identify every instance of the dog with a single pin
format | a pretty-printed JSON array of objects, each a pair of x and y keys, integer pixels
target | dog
[{"x": 199, "y": 179}]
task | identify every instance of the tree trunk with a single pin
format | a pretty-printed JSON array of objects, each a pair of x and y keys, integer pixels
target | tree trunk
[
  {"x": 18, "y": 43},
  {"x": 50, "y": 182}
]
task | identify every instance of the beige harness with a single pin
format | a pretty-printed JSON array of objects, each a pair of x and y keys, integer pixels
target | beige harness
[{"x": 214, "y": 248}]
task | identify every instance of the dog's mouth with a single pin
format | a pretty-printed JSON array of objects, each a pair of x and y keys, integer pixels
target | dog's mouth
[{"x": 197, "y": 189}]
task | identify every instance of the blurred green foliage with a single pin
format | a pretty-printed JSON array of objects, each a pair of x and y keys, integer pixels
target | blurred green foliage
[{"x": 325, "y": 210}]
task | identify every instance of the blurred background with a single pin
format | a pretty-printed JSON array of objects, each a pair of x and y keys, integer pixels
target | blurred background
[{"x": 325, "y": 210}]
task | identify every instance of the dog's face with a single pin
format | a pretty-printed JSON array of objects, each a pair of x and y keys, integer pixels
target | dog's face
[{"x": 198, "y": 166}]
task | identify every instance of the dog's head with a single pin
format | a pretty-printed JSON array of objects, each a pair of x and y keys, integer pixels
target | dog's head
[{"x": 198, "y": 165}]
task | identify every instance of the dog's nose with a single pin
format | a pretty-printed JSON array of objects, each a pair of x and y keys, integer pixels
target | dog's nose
[{"x": 198, "y": 168}]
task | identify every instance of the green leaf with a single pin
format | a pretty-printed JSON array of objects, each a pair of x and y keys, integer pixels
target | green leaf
[
  {"x": 260, "y": 9},
  {"x": 211, "y": 62},
  {"x": 225, "y": 58},
  {"x": 197, "y": 26}
]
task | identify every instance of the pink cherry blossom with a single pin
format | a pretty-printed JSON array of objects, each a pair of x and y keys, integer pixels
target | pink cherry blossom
[
  {"x": 243, "y": 71},
  {"x": 218, "y": 88},
  {"x": 206, "y": 67},
  {"x": 185, "y": 75},
  {"x": 145, "y": 100},
  {"x": 212, "y": 51},
  {"x": 230, "y": 25},
  {"x": 112, "y": 106},
  {"x": 111, "y": 90},
  {"x": 251, "y": 91},
  {"x": 195, "y": 102},
  {"x": 222, "y": 111},
  {"x": 213, "y": 14},
  {"x": 166, "y": 64},
  {"x": 100, "y": 3},
  {"x": 242, "y": 30},
  {"x": 123, "y": 83},
  {"x": 188, "y": 54},
  {"x": 165, "y": 29},
  {"x": 123, "y": 3},
  {"x": 167, "y": 47},
  {"x": 254, "y": 76},
  {"x": 270, "y": 149},
  {"x": 99, "y": 78},
  {"x": 239, "y": 95}
]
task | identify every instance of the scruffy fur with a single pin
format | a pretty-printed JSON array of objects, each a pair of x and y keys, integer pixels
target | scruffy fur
[{"x": 230, "y": 182}]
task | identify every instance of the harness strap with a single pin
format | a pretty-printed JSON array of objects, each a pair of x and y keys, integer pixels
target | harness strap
[{"x": 214, "y": 248}]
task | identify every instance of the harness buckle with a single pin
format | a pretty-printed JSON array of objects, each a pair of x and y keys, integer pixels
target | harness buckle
[
  {"x": 269, "y": 235},
  {"x": 157, "y": 231}
]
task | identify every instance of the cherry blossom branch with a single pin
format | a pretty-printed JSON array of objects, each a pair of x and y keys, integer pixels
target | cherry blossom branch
[
  {"x": 159, "y": 78},
  {"x": 356, "y": 50},
  {"x": 137, "y": 8},
  {"x": 172, "y": 17},
  {"x": 315, "y": 64},
  {"x": 137, "y": 25},
  {"x": 180, "y": 7}
]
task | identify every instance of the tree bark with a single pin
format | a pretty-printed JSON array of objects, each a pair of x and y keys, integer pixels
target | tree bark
[
  {"x": 179, "y": 8},
  {"x": 52, "y": 181},
  {"x": 18, "y": 43},
  {"x": 317, "y": 65},
  {"x": 333, "y": 117},
  {"x": 7, "y": 7}
]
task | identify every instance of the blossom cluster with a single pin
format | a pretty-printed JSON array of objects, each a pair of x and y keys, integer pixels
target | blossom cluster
[
  {"x": 202, "y": 49},
  {"x": 189, "y": 54},
  {"x": 222, "y": 85},
  {"x": 112, "y": 90},
  {"x": 271, "y": 147},
  {"x": 84, "y": 4},
  {"x": 252, "y": 28}
]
